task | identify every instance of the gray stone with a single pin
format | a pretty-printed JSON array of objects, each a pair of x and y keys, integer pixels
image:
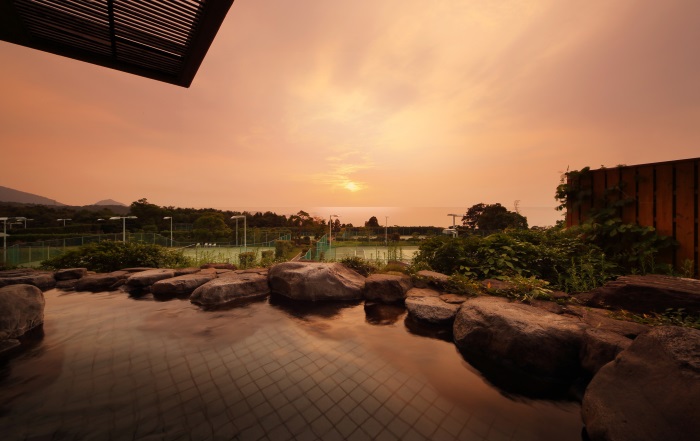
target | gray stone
[
  {"x": 101, "y": 282},
  {"x": 67, "y": 285},
  {"x": 422, "y": 292},
  {"x": 431, "y": 309},
  {"x": 495, "y": 285},
  {"x": 600, "y": 347},
  {"x": 43, "y": 280},
  {"x": 649, "y": 391},
  {"x": 534, "y": 341},
  {"x": 21, "y": 309},
  {"x": 184, "y": 271},
  {"x": 147, "y": 278},
  {"x": 646, "y": 294},
  {"x": 427, "y": 278},
  {"x": 387, "y": 288},
  {"x": 234, "y": 287},
  {"x": 182, "y": 285},
  {"x": 70, "y": 273},
  {"x": 316, "y": 281},
  {"x": 228, "y": 266},
  {"x": 600, "y": 319},
  {"x": 453, "y": 298}
]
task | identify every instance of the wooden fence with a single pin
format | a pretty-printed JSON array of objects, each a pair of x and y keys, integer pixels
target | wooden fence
[{"x": 664, "y": 195}]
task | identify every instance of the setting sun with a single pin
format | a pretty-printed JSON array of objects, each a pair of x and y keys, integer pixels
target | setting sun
[{"x": 352, "y": 186}]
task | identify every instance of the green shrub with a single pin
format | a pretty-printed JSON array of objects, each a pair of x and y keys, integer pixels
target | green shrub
[
  {"x": 670, "y": 317},
  {"x": 110, "y": 256},
  {"x": 461, "y": 284},
  {"x": 247, "y": 259},
  {"x": 564, "y": 258},
  {"x": 283, "y": 248},
  {"x": 362, "y": 266},
  {"x": 267, "y": 258},
  {"x": 526, "y": 289}
]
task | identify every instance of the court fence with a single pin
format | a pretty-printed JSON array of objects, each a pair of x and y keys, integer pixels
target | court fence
[{"x": 33, "y": 253}]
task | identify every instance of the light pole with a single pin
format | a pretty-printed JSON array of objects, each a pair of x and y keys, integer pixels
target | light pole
[
  {"x": 245, "y": 242},
  {"x": 123, "y": 218},
  {"x": 64, "y": 221},
  {"x": 171, "y": 229},
  {"x": 330, "y": 230},
  {"x": 454, "y": 227}
]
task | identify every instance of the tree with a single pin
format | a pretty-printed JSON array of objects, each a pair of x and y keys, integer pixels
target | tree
[
  {"x": 210, "y": 227},
  {"x": 146, "y": 213},
  {"x": 372, "y": 222},
  {"x": 492, "y": 217}
]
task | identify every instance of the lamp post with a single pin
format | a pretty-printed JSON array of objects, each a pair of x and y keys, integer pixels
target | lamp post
[
  {"x": 64, "y": 225},
  {"x": 123, "y": 218},
  {"x": 245, "y": 242},
  {"x": 171, "y": 229},
  {"x": 454, "y": 227},
  {"x": 330, "y": 231}
]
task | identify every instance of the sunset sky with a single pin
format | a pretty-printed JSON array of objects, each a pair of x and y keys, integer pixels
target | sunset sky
[{"x": 371, "y": 103}]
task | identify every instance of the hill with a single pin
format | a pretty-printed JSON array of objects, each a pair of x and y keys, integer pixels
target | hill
[
  {"x": 11, "y": 195},
  {"x": 109, "y": 202}
]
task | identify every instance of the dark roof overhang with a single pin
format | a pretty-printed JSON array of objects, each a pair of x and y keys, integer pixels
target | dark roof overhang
[{"x": 165, "y": 40}]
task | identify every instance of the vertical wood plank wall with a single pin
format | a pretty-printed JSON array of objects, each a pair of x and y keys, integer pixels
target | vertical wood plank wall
[{"x": 666, "y": 196}]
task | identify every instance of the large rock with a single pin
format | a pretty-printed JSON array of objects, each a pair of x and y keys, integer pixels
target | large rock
[
  {"x": 184, "y": 271},
  {"x": 600, "y": 347},
  {"x": 182, "y": 285},
  {"x": 43, "y": 280},
  {"x": 21, "y": 309},
  {"x": 101, "y": 282},
  {"x": 604, "y": 336},
  {"x": 422, "y": 292},
  {"x": 316, "y": 281},
  {"x": 387, "y": 288},
  {"x": 645, "y": 294},
  {"x": 427, "y": 278},
  {"x": 233, "y": 287},
  {"x": 147, "y": 278},
  {"x": 431, "y": 309},
  {"x": 650, "y": 392},
  {"x": 531, "y": 340},
  {"x": 70, "y": 273}
]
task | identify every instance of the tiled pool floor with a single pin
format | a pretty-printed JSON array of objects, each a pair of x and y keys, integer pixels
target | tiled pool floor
[{"x": 111, "y": 367}]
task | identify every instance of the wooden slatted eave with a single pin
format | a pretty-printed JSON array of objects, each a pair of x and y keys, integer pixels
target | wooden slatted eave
[{"x": 160, "y": 39}]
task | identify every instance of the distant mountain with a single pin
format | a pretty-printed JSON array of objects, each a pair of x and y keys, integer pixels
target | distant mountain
[
  {"x": 109, "y": 202},
  {"x": 12, "y": 195}
]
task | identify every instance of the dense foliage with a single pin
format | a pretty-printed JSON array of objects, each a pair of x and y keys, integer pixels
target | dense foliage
[
  {"x": 112, "y": 256},
  {"x": 492, "y": 217},
  {"x": 560, "y": 257}
]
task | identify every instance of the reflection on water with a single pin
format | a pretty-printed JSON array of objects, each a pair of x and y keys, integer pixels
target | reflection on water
[
  {"x": 383, "y": 314},
  {"x": 112, "y": 367}
]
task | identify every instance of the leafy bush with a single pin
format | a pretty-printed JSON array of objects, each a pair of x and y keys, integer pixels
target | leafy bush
[
  {"x": 362, "y": 266},
  {"x": 282, "y": 248},
  {"x": 670, "y": 317},
  {"x": 562, "y": 258},
  {"x": 109, "y": 256},
  {"x": 247, "y": 259},
  {"x": 267, "y": 258},
  {"x": 525, "y": 289}
]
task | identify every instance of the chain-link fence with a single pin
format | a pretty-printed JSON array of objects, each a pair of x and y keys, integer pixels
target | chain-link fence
[{"x": 33, "y": 253}]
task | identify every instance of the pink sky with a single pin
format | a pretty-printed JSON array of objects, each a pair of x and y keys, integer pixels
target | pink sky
[{"x": 380, "y": 103}]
